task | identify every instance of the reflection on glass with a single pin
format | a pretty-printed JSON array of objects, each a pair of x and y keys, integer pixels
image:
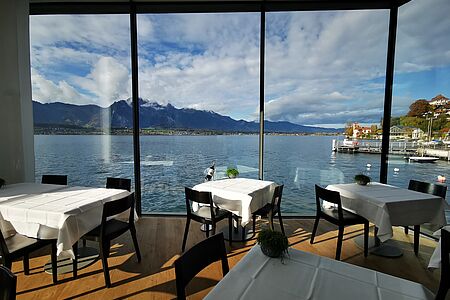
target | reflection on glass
[
  {"x": 81, "y": 89},
  {"x": 199, "y": 84},
  {"x": 324, "y": 79},
  {"x": 420, "y": 108}
]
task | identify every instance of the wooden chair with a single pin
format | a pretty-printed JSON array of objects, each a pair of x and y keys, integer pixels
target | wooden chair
[
  {"x": 118, "y": 183},
  {"x": 110, "y": 229},
  {"x": 17, "y": 246},
  {"x": 197, "y": 258},
  {"x": 428, "y": 188},
  {"x": 114, "y": 183},
  {"x": 8, "y": 283},
  {"x": 339, "y": 217},
  {"x": 271, "y": 209},
  {"x": 444, "y": 284},
  {"x": 54, "y": 179},
  {"x": 207, "y": 213}
]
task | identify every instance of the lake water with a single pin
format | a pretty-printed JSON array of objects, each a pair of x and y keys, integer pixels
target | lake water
[{"x": 169, "y": 163}]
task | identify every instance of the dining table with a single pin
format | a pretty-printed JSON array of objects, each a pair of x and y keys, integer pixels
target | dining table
[
  {"x": 242, "y": 197},
  {"x": 386, "y": 206},
  {"x": 303, "y": 275},
  {"x": 48, "y": 211},
  {"x": 435, "y": 259}
]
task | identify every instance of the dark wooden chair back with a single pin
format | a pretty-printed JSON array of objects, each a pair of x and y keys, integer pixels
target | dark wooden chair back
[
  {"x": 444, "y": 284},
  {"x": 199, "y": 197},
  {"x": 8, "y": 283},
  {"x": 277, "y": 194},
  {"x": 329, "y": 196},
  {"x": 116, "y": 207},
  {"x": 428, "y": 188},
  {"x": 197, "y": 258},
  {"x": 54, "y": 179},
  {"x": 118, "y": 183},
  {"x": 4, "y": 251}
]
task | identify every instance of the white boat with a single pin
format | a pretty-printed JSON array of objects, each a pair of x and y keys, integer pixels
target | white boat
[{"x": 423, "y": 159}]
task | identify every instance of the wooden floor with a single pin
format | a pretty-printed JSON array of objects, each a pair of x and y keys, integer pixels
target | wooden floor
[{"x": 160, "y": 242}]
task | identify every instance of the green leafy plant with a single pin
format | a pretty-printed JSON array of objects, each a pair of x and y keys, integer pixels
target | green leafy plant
[
  {"x": 273, "y": 243},
  {"x": 232, "y": 172},
  {"x": 362, "y": 179},
  {"x": 2, "y": 182}
]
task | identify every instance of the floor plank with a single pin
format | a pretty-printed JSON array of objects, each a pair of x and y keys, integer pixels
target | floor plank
[{"x": 160, "y": 243}]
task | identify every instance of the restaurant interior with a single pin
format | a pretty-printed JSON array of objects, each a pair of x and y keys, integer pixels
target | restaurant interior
[{"x": 67, "y": 241}]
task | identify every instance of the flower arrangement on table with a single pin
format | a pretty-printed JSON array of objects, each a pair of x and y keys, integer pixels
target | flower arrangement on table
[
  {"x": 232, "y": 172},
  {"x": 273, "y": 243},
  {"x": 362, "y": 179}
]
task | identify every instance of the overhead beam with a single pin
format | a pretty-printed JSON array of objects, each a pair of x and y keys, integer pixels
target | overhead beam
[{"x": 114, "y": 7}]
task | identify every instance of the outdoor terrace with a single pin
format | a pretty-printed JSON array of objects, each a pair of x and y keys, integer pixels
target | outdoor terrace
[{"x": 160, "y": 242}]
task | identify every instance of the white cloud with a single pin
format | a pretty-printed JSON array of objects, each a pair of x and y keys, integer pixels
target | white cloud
[
  {"x": 321, "y": 67},
  {"x": 47, "y": 91}
]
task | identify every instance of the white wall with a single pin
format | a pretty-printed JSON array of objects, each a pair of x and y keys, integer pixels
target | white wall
[{"x": 16, "y": 112}]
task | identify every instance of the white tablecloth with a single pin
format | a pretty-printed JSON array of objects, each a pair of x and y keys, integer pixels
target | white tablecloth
[
  {"x": 435, "y": 260},
  {"x": 387, "y": 206},
  {"x": 54, "y": 212},
  {"x": 307, "y": 276},
  {"x": 241, "y": 196}
]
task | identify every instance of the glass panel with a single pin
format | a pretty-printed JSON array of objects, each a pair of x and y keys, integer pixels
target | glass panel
[
  {"x": 325, "y": 71},
  {"x": 199, "y": 84},
  {"x": 80, "y": 66},
  {"x": 420, "y": 109}
]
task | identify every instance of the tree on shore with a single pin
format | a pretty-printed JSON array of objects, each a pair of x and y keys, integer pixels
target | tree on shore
[{"x": 419, "y": 108}]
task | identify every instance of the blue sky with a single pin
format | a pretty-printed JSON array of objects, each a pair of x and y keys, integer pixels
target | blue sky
[{"x": 322, "y": 68}]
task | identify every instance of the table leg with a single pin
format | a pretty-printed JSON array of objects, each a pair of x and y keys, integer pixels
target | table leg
[
  {"x": 240, "y": 233},
  {"x": 86, "y": 257},
  {"x": 386, "y": 249}
]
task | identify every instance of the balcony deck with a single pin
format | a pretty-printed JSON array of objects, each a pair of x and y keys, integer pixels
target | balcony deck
[{"x": 160, "y": 242}]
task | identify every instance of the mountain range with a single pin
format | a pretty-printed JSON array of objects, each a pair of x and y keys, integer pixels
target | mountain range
[{"x": 154, "y": 115}]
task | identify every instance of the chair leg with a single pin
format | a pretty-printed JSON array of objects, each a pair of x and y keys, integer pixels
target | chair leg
[
  {"x": 230, "y": 229},
  {"x": 281, "y": 222},
  {"x": 7, "y": 263},
  {"x": 213, "y": 230},
  {"x": 271, "y": 221},
  {"x": 54, "y": 259},
  {"x": 416, "y": 238},
  {"x": 135, "y": 242},
  {"x": 207, "y": 230},
  {"x": 406, "y": 229},
  {"x": 254, "y": 224},
  {"x": 26, "y": 264},
  {"x": 104, "y": 257},
  {"x": 313, "y": 234},
  {"x": 75, "y": 260},
  {"x": 339, "y": 242},
  {"x": 186, "y": 231},
  {"x": 366, "y": 239}
]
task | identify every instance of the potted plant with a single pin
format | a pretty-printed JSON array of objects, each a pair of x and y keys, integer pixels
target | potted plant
[
  {"x": 362, "y": 179},
  {"x": 2, "y": 182},
  {"x": 273, "y": 243},
  {"x": 232, "y": 173}
]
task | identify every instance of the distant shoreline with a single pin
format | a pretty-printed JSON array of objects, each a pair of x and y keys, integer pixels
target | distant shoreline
[{"x": 163, "y": 132}]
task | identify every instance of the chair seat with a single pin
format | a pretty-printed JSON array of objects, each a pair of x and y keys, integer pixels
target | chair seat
[
  {"x": 331, "y": 214},
  {"x": 113, "y": 227},
  {"x": 19, "y": 242},
  {"x": 205, "y": 213}
]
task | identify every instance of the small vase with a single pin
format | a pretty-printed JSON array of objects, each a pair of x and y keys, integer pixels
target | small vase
[{"x": 270, "y": 252}]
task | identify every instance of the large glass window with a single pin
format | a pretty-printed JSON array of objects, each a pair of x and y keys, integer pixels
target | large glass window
[
  {"x": 421, "y": 106},
  {"x": 81, "y": 97},
  {"x": 199, "y": 89},
  {"x": 325, "y": 74}
]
